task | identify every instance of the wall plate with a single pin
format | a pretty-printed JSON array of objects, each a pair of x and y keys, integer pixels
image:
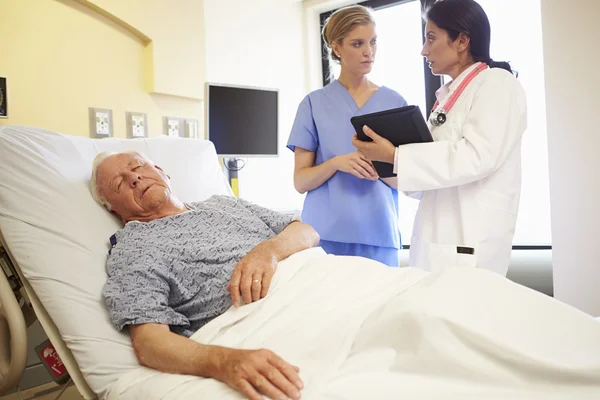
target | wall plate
[
  {"x": 192, "y": 128},
  {"x": 137, "y": 125},
  {"x": 101, "y": 122},
  {"x": 173, "y": 126}
]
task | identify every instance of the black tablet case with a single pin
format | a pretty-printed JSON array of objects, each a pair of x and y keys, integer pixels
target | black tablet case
[{"x": 400, "y": 126}]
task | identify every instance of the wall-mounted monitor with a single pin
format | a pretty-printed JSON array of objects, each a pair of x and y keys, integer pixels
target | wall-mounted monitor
[{"x": 242, "y": 121}]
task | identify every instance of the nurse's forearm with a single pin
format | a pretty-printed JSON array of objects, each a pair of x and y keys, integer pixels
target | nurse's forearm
[{"x": 310, "y": 178}]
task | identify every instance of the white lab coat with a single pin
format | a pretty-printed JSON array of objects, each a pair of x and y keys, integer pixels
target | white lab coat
[{"x": 469, "y": 179}]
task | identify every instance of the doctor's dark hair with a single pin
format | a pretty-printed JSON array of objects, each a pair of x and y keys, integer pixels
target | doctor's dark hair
[
  {"x": 468, "y": 17},
  {"x": 341, "y": 22}
]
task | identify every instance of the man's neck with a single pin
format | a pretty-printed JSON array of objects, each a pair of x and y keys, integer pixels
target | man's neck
[
  {"x": 175, "y": 207},
  {"x": 170, "y": 208}
]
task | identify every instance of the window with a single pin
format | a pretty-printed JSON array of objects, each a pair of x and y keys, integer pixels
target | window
[
  {"x": 400, "y": 66},
  {"x": 525, "y": 53}
]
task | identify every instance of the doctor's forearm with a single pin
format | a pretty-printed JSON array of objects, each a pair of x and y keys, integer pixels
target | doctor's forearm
[
  {"x": 456, "y": 163},
  {"x": 310, "y": 178}
]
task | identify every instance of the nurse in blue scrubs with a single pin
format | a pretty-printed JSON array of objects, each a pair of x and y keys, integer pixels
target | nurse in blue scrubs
[{"x": 353, "y": 210}]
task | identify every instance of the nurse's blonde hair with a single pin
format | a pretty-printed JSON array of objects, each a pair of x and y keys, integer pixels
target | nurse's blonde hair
[{"x": 341, "y": 22}]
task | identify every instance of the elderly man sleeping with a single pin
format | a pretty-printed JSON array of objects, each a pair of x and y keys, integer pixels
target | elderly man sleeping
[
  {"x": 176, "y": 266},
  {"x": 176, "y": 269}
]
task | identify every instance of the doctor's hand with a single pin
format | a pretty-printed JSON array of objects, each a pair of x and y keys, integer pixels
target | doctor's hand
[
  {"x": 357, "y": 165},
  {"x": 252, "y": 276},
  {"x": 380, "y": 149},
  {"x": 258, "y": 372}
]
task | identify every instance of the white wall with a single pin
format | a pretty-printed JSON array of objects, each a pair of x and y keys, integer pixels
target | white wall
[
  {"x": 571, "y": 59},
  {"x": 260, "y": 43}
]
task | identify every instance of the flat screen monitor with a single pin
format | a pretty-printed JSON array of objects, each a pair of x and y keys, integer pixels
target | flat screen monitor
[{"x": 241, "y": 121}]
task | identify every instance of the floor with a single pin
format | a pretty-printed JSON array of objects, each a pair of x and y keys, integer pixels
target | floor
[{"x": 46, "y": 392}]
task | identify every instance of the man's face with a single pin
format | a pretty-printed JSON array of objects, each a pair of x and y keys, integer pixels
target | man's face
[{"x": 134, "y": 187}]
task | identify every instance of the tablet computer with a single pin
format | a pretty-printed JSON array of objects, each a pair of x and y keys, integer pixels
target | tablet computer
[{"x": 400, "y": 126}]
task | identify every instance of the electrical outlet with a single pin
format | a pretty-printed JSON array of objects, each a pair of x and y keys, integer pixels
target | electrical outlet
[
  {"x": 172, "y": 126},
  {"x": 191, "y": 128},
  {"x": 137, "y": 125},
  {"x": 101, "y": 125}
]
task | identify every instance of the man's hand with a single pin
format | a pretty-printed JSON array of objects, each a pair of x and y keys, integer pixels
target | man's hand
[
  {"x": 256, "y": 372},
  {"x": 252, "y": 276}
]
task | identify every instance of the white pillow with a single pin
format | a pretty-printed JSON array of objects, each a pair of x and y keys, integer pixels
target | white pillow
[{"x": 60, "y": 236}]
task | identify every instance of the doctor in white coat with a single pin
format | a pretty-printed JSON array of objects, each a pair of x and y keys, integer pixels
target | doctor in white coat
[{"x": 468, "y": 179}]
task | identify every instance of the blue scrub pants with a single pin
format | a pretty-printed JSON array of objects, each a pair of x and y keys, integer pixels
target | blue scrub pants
[{"x": 385, "y": 255}]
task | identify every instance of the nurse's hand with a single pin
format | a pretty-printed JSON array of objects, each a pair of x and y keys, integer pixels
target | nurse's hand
[
  {"x": 357, "y": 165},
  {"x": 380, "y": 149}
]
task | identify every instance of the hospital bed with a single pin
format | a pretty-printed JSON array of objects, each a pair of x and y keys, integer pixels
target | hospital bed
[{"x": 57, "y": 237}]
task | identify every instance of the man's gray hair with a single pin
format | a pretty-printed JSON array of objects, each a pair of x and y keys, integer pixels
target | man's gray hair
[{"x": 98, "y": 160}]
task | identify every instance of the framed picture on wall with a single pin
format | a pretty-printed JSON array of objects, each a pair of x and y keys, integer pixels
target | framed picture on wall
[{"x": 3, "y": 98}]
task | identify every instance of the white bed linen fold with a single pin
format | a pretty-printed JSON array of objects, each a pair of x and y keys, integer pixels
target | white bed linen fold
[{"x": 360, "y": 330}]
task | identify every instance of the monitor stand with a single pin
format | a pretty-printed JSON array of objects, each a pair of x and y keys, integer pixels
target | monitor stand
[{"x": 231, "y": 168}]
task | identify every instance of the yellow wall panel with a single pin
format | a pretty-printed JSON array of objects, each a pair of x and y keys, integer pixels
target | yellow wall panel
[
  {"x": 176, "y": 30},
  {"x": 61, "y": 57}
]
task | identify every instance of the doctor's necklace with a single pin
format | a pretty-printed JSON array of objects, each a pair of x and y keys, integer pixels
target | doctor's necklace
[{"x": 437, "y": 118}]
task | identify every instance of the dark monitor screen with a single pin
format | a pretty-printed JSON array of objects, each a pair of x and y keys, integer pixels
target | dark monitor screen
[{"x": 242, "y": 121}]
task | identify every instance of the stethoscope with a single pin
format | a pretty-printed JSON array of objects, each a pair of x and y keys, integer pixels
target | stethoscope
[{"x": 437, "y": 118}]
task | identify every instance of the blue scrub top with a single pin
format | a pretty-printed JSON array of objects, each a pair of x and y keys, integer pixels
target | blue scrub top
[{"x": 345, "y": 208}]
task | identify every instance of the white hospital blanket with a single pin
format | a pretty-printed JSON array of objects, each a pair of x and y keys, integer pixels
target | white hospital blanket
[{"x": 359, "y": 330}]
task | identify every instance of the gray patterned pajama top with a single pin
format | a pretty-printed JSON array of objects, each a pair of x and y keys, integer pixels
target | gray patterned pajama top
[{"x": 175, "y": 270}]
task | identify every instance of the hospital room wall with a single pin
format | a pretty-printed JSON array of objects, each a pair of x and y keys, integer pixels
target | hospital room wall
[
  {"x": 571, "y": 58},
  {"x": 61, "y": 57},
  {"x": 260, "y": 43}
]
